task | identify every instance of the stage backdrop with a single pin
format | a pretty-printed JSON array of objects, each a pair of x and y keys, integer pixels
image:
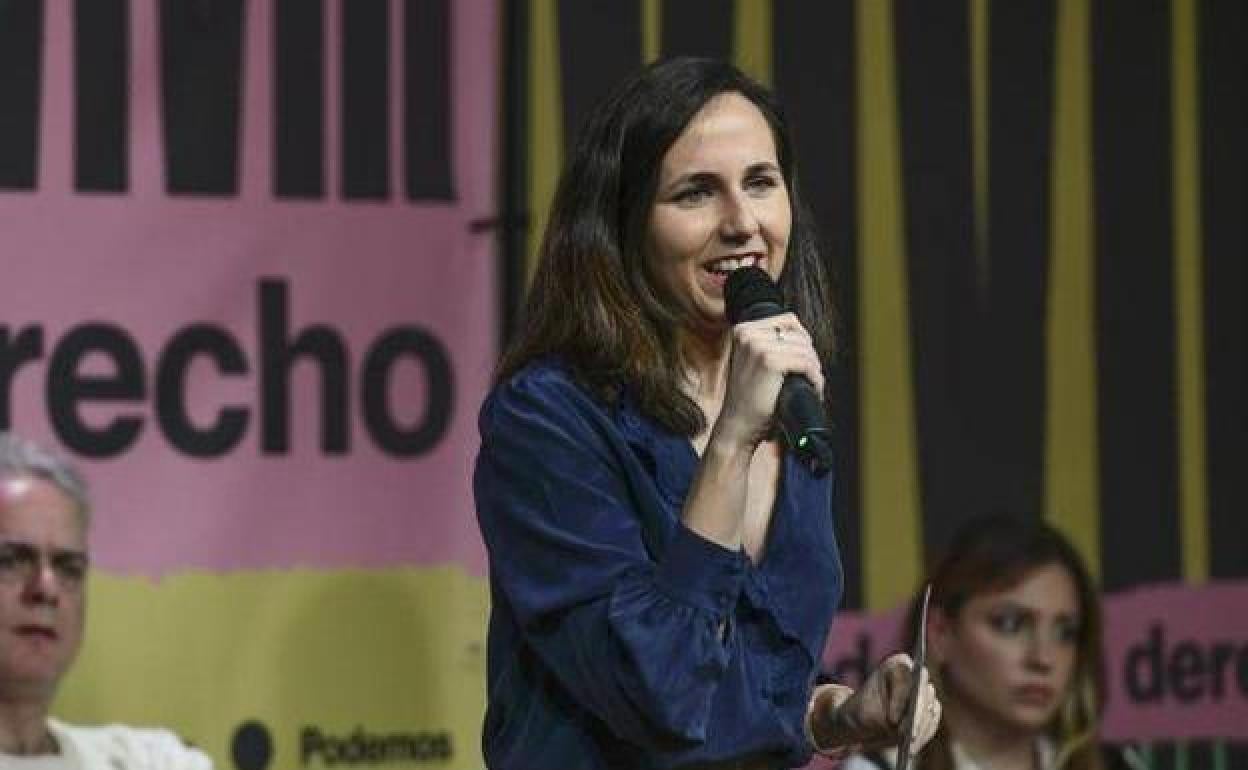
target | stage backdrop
[
  {"x": 248, "y": 281},
  {"x": 1035, "y": 209}
]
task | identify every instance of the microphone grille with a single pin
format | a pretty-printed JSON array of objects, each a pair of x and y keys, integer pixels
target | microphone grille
[{"x": 747, "y": 287}]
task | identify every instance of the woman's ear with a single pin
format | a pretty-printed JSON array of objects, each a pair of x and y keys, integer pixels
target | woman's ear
[{"x": 939, "y": 633}]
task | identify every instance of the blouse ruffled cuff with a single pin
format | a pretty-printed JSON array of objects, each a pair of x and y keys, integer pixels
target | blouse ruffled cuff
[{"x": 701, "y": 573}]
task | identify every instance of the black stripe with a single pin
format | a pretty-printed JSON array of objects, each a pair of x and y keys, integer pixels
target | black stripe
[
  {"x": 1134, "y": 291},
  {"x": 1020, "y": 141},
  {"x": 299, "y": 102},
  {"x": 599, "y": 43},
  {"x": 697, "y": 28},
  {"x": 515, "y": 217},
  {"x": 365, "y": 99},
  {"x": 201, "y": 52},
  {"x": 1236, "y": 754},
  {"x": 1200, "y": 754},
  {"x": 21, "y": 54},
  {"x": 427, "y": 100},
  {"x": 101, "y": 95},
  {"x": 815, "y": 80},
  {"x": 932, "y": 41},
  {"x": 1224, "y": 196}
]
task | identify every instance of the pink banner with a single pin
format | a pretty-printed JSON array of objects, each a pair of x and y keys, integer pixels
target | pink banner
[
  {"x": 257, "y": 380},
  {"x": 1176, "y": 660}
]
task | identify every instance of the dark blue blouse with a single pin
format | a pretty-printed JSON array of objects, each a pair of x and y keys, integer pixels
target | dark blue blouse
[{"x": 618, "y": 638}]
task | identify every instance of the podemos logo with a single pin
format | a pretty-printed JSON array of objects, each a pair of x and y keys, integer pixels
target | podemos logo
[
  {"x": 362, "y": 747},
  {"x": 252, "y": 747}
]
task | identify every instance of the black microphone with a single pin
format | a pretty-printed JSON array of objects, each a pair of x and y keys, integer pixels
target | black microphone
[{"x": 752, "y": 295}]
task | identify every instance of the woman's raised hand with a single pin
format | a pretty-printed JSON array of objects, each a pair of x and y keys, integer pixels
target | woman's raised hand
[{"x": 763, "y": 352}]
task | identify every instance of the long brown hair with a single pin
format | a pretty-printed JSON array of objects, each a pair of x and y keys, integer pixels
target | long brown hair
[
  {"x": 592, "y": 302},
  {"x": 996, "y": 552}
]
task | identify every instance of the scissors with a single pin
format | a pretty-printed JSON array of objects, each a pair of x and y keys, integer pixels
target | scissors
[{"x": 919, "y": 655}]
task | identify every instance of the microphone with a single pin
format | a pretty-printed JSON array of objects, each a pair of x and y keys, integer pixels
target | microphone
[{"x": 751, "y": 295}]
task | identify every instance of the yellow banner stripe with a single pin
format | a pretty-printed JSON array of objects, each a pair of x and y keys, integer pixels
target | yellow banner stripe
[
  {"x": 752, "y": 38},
  {"x": 891, "y": 551},
  {"x": 980, "y": 95},
  {"x": 545, "y": 122},
  {"x": 1188, "y": 285},
  {"x": 386, "y": 651},
  {"x": 1071, "y": 485},
  {"x": 651, "y": 30}
]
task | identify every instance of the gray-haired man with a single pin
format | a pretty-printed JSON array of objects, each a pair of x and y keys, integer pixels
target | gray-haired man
[{"x": 43, "y": 571}]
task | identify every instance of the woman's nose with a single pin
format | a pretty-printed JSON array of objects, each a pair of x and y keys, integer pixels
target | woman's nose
[
  {"x": 1041, "y": 651},
  {"x": 738, "y": 221}
]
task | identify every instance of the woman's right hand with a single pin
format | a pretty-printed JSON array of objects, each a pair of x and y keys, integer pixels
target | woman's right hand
[
  {"x": 763, "y": 352},
  {"x": 873, "y": 716}
]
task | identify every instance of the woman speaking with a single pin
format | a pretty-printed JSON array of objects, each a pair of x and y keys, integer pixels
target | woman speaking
[{"x": 663, "y": 573}]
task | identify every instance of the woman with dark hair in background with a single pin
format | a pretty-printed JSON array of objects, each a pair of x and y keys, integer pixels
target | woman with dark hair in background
[
  {"x": 663, "y": 574},
  {"x": 1014, "y": 646}
]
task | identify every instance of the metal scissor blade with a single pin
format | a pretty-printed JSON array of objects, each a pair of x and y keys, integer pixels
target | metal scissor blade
[{"x": 919, "y": 655}]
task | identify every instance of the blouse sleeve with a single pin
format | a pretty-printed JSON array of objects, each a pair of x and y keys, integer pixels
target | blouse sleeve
[{"x": 639, "y": 642}]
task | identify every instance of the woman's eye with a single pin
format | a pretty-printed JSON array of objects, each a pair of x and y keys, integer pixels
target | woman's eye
[
  {"x": 1067, "y": 632},
  {"x": 692, "y": 195},
  {"x": 761, "y": 184},
  {"x": 1007, "y": 622}
]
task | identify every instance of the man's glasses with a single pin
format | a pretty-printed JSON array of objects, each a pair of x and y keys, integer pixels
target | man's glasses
[{"x": 20, "y": 562}]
